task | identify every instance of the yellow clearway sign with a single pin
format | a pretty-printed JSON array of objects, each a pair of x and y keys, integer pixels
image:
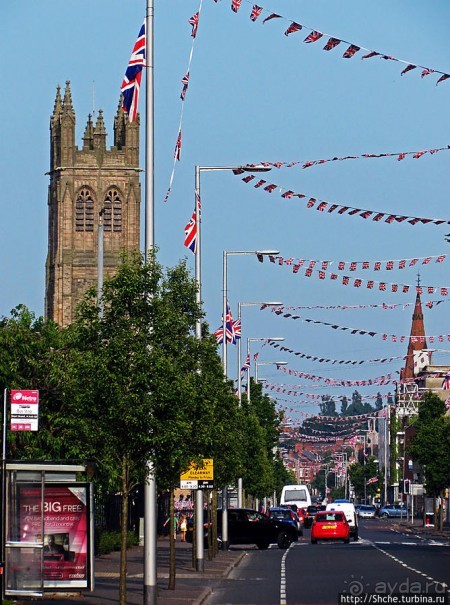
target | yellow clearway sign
[{"x": 195, "y": 472}]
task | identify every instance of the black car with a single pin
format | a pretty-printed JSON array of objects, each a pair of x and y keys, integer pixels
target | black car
[
  {"x": 310, "y": 513},
  {"x": 247, "y": 526}
]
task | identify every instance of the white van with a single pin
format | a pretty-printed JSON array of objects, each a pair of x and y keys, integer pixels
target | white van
[
  {"x": 297, "y": 495},
  {"x": 350, "y": 514}
]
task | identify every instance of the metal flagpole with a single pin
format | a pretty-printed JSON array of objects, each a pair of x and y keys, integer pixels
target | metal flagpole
[
  {"x": 150, "y": 504},
  {"x": 198, "y": 512}
]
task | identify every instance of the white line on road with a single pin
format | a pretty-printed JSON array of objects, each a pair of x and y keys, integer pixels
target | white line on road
[{"x": 283, "y": 576}]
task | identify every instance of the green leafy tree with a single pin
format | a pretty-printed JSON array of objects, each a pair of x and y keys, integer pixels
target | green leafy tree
[
  {"x": 135, "y": 382},
  {"x": 262, "y": 437},
  {"x": 328, "y": 406},
  {"x": 430, "y": 446},
  {"x": 359, "y": 474},
  {"x": 27, "y": 361}
]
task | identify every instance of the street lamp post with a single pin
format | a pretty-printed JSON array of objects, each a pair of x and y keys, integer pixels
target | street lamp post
[
  {"x": 249, "y": 340},
  {"x": 240, "y": 305},
  {"x": 267, "y": 363},
  {"x": 224, "y": 361},
  {"x": 226, "y": 254},
  {"x": 198, "y": 328},
  {"x": 198, "y": 171}
]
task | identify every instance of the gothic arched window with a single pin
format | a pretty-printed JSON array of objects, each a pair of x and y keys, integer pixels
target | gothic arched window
[
  {"x": 112, "y": 217},
  {"x": 84, "y": 211}
]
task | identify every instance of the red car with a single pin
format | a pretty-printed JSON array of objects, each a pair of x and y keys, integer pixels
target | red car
[{"x": 330, "y": 525}]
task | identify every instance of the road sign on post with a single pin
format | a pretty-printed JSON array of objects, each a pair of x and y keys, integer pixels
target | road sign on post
[
  {"x": 24, "y": 410},
  {"x": 198, "y": 476}
]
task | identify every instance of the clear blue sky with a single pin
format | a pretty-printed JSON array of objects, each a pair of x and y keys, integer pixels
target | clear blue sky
[{"x": 254, "y": 95}]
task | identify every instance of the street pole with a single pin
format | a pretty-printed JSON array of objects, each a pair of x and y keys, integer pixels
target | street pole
[
  {"x": 100, "y": 262},
  {"x": 150, "y": 503},
  {"x": 386, "y": 446},
  {"x": 198, "y": 504}
]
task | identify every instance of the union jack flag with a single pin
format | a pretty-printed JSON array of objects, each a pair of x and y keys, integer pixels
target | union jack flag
[
  {"x": 332, "y": 43},
  {"x": 237, "y": 329},
  {"x": 446, "y": 382},
  {"x": 351, "y": 51},
  {"x": 185, "y": 82},
  {"x": 246, "y": 366},
  {"x": 133, "y": 75},
  {"x": 190, "y": 241},
  {"x": 313, "y": 37},
  {"x": 229, "y": 328},
  {"x": 256, "y": 11},
  {"x": 294, "y": 27},
  {"x": 194, "y": 22},
  {"x": 235, "y": 4},
  {"x": 177, "y": 152}
]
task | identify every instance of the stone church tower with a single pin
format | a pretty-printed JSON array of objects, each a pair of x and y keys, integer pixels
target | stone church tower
[{"x": 83, "y": 183}]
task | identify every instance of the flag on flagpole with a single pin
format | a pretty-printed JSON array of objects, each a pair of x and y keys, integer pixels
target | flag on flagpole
[
  {"x": 133, "y": 75},
  {"x": 229, "y": 327},
  {"x": 372, "y": 480},
  {"x": 190, "y": 241},
  {"x": 246, "y": 366},
  {"x": 446, "y": 382},
  {"x": 237, "y": 329}
]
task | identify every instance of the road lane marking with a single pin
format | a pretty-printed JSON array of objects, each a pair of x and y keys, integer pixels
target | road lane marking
[
  {"x": 283, "y": 575},
  {"x": 413, "y": 569}
]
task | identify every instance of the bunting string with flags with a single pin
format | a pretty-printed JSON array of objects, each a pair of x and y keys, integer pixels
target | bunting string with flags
[
  {"x": 357, "y": 282},
  {"x": 133, "y": 75},
  {"x": 329, "y": 207},
  {"x": 386, "y": 307},
  {"x": 393, "y": 337},
  {"x": 293, "y": 26},
  {"x": 185, "y": 80},
  {"x": 337, "y": 382},
  {"x": 352, "y": 362},
  {"x": 354, "y": 265},
  {"x": 398, "y": 155}
]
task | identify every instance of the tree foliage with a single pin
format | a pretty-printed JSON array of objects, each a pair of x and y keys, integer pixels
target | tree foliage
[{"x": 430, "y": 446}]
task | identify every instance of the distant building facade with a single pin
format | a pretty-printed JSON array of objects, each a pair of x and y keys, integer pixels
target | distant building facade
[{"x": 84, "y": 183}]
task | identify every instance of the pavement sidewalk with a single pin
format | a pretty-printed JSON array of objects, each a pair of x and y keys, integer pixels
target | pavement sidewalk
[{"x": 191, "y": 587}]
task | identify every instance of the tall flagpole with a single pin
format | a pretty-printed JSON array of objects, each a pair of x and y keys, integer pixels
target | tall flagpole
[{"x": 150, "y": 504}]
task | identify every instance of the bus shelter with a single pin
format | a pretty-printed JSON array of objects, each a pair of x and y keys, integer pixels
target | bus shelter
[{"x": 47, "y": 529}]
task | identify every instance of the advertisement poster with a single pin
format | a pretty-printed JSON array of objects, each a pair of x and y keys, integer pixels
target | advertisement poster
[{"x": 66, "y": 536}]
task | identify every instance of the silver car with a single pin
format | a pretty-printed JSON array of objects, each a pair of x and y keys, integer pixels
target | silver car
[
  {"x": 366, "y": 511},
  {"x": 393, "y": 510}
]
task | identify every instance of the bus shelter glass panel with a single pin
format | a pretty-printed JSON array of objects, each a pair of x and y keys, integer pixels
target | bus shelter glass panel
[{"x": 23, "y": 573}]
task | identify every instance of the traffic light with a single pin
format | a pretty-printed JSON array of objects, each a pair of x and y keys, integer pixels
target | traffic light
[{"x": 406, "y": 486}]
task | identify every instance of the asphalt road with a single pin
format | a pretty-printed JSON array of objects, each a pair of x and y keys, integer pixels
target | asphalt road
[{"x": 384, "y": 562}]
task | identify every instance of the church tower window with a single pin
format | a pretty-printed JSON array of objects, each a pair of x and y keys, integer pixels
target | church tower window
[
  {"x": 112, "y": 218},
  {"x": 84, "y": 211}
]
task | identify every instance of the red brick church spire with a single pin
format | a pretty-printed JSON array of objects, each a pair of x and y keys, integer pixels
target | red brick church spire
[{"x": 415, "y": 344}]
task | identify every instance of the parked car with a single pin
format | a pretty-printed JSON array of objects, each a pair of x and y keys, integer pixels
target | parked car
[
  {"x": 288, "y": 516},
  {"x": 393, "y": 510},
  {"x": 247, "y": 526},
  {"x": 330, "y": 525},
  {"x": 365, "y": 511}
]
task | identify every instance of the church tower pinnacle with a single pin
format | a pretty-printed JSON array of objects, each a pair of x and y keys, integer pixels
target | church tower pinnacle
[{"x": 417, "y": 339}]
